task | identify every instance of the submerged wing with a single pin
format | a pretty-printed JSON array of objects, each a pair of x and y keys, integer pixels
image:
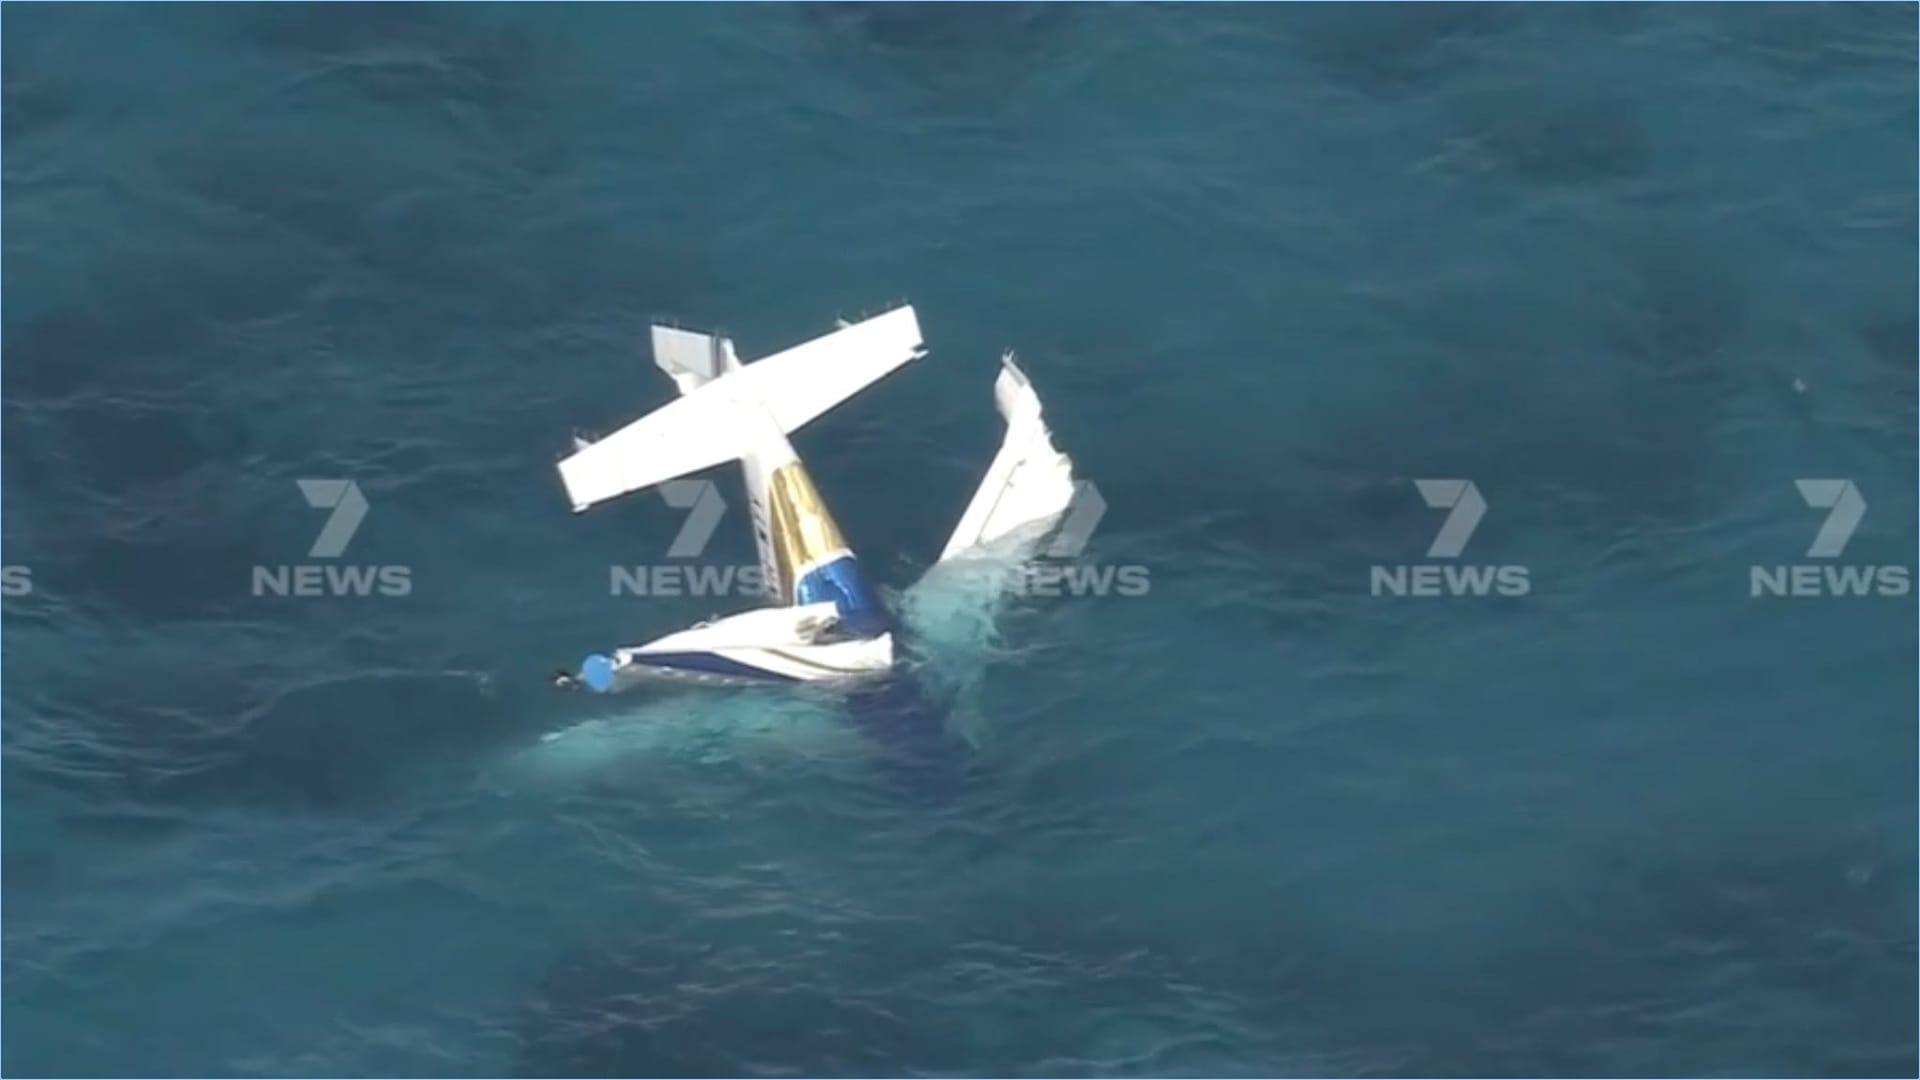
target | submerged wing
[
  {"x": 1028, "y": 489},
  {"x": 1029, "y": 485}
]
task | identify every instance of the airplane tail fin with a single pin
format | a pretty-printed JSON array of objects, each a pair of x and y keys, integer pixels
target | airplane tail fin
[
  {"x": 723, "y": 410},
  {"x": 692, "y": 359}
]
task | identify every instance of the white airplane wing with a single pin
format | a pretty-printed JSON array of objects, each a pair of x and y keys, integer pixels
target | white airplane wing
[
  {"x": 724, "y": 405},
  {"x": 1027, "y": 491},
  {"x": 1029, "y": 485}
]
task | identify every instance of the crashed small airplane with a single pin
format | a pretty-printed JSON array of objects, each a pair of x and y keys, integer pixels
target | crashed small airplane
[{"x": 825, "y": 621}]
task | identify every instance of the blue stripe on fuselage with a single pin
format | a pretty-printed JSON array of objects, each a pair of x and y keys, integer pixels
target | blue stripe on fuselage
[{"x": 709, "y": 664}]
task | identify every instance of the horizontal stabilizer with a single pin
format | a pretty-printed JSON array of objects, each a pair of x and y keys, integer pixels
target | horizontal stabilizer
[{"x": 725, "y": 417}]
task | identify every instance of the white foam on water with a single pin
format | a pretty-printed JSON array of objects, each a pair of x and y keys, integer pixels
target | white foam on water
[{"x": 692, "y": 728}]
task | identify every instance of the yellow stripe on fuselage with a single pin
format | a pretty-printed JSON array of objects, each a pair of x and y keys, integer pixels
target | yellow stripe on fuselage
[{"x": 803, "y": 533}]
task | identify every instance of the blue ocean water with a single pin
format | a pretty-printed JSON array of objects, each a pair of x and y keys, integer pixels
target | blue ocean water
[{"x": 1631, "y": 270}]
